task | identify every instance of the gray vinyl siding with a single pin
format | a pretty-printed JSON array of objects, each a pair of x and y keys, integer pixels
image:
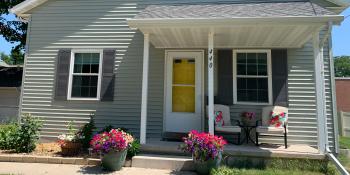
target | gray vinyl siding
[
  {"x": 92, "y": 24},
  {"x": 9, "y": 100}
]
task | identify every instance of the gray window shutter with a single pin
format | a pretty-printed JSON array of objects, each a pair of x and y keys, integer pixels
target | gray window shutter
[
  {"x": 62, "y": 74},
  {"x": 279, "y": 77},
  {"x": 225, "y": 77},
  {"x": 107, "y": 85}
]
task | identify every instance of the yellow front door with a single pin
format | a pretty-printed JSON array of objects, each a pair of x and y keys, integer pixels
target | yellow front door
[
  {"x": 184, "y": 85},
  {"x": 183, "y": 91}
]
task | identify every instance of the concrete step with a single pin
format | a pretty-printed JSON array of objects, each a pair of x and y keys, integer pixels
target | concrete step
[
  {"x": 177, "y": 163},
  {"x": 163, "y": 148}
]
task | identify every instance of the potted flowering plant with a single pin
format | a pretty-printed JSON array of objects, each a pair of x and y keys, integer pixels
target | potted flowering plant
[
  {"x": 113, "y": 146},
  {"x": 248, "y": 118},
  {"x": 71, "y": 142},
  {"x": 206, "y": 150}
]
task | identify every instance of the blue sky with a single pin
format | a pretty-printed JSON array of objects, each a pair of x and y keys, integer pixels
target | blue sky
[{"x": 341, "y": 37}]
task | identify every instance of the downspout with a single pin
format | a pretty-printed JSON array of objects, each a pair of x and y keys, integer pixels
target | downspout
[{"x": 328, "y": 152}]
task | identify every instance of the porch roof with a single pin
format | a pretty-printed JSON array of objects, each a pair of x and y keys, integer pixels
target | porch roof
[{"x": 251, "y": 25}]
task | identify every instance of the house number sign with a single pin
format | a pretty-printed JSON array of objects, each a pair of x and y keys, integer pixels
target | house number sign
[{"x": 210, "y": 63}]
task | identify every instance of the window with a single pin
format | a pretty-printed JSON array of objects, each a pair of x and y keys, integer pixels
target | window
[
  {"x": 252, "y": 77},
  {"x": 85, "y": 75}
]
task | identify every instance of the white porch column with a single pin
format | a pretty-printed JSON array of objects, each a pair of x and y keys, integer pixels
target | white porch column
[
  {"x": 211, "y": 82},
  {"x": 143, "y": 126},
  {"x": 320, "y": 94}
]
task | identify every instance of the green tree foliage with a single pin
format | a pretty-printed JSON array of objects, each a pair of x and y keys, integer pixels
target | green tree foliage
[
  {"x": 14, "y": 31},
  {"x": 4, "y": 57},
  {"x": 15, "y": 58},
  {"x": 342, "y": 66}
]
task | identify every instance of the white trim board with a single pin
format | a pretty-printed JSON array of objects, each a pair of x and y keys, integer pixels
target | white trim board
[
  {"x": 70, "y": 79},
  {"x": 269, "y": 74},
  {"x": 168, "y": 77}
]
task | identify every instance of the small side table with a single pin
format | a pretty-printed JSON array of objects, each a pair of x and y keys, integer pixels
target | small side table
[{"x": 247, "y": 129}]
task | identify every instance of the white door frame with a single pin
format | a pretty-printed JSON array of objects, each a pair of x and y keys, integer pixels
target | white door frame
[{"x": 166, "y": 85}]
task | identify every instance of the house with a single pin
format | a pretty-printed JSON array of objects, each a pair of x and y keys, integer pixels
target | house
[
  {"x": 343, "y": 97},
  {"x": 153, "y": 66},
  {"x": 10, "y": 88}
]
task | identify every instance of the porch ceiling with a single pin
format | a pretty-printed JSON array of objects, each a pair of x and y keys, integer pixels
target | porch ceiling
[
  {"x": 234, "y": 36},
  {"x": 257, "y": 25}
]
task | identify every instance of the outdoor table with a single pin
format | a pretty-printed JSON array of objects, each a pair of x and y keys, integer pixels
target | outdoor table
[{"x": 247, "y": 129}]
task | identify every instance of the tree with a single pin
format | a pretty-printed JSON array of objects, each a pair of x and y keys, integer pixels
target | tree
[
  {"x": 342, "y": 66},
  {"x": 4, "y": 57},
  {"x": 13, "y": 31}
]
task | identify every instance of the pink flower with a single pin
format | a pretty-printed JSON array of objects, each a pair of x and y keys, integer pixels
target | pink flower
[{"x": 116, "y": 140}]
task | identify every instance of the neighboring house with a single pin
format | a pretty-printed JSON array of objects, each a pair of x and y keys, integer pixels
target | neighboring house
[
  {"x": 153, "y": 66},
  {"x": 10, "y": 88},
  {"x": 343, "y": 104},
  {"x": 343, "y": 95}
]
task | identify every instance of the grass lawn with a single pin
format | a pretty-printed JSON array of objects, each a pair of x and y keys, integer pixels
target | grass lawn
[
  {"x": 277, "y": 167},
  {"x": 345, "y": 161},
  {"x": 234, "y": 171},
  {"x": 344, "y": 142}
]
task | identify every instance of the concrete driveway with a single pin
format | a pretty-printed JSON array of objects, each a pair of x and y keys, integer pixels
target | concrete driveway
[{"x": 63, "y": 169}]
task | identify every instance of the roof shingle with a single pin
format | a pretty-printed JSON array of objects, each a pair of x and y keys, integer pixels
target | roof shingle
[{"x": 233, "y": 10}]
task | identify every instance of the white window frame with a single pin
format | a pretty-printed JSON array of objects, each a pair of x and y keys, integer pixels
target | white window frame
[
  {"x": 71, "y": 68},
  {"x": 269, "y": 75}
]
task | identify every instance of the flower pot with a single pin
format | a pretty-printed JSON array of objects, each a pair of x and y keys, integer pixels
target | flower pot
[
  {"x": 204, "y": 167},
  {"x": 70, "y": 148},
  {"x": 247, "y": 122},
  {"x": 114, "y": 160}
]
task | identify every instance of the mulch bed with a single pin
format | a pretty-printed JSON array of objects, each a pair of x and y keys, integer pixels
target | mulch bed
[{"x": 51, "y": 149}]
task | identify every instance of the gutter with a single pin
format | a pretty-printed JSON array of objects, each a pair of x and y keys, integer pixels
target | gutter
[{"x": 166, "y": 22}]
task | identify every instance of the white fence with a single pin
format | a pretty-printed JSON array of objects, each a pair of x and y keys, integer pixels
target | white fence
[{"x": 344, "y": 123}]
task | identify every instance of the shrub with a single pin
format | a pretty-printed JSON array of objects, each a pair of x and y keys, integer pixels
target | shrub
[
  {"x": 72, "y": 136},
  {"x": 106, "y": 129},
  {"x": 86, "y": 132},
  {"x": 134, "y": 148},
  {"x": 7, "y": 133},
  {"x": 27, "y": 134}
]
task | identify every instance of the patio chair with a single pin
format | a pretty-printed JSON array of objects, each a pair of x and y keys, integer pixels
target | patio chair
[
  {"x": 264, "y": 127},
  {"x": 226, "y": 125}
]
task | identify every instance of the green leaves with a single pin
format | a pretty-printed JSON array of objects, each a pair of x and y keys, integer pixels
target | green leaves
[
  {"x": 7, "y": 133},
  {"x": 13, "y": 31},
  {"x": 27, "y": 134},
  {"x": 20, "y": 137},
  {"x": 87, "y": 132},
  {"x": 342, "y": 66}
]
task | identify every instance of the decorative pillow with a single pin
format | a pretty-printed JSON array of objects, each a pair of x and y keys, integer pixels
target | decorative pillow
[
  {"x": 277, "y": 119},
  {"x": 219, "y": 120}
]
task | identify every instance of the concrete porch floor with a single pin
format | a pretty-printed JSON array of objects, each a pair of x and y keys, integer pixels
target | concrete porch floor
[{"x": 265, "y": 150}]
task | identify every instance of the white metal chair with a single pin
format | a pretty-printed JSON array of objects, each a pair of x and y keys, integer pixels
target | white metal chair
[
  {"x": 227, "y": 127},
  {"x": 263, "y": 127}
]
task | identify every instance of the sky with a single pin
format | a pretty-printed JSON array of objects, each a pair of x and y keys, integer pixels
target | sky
[{"x": 340, "y": 35}]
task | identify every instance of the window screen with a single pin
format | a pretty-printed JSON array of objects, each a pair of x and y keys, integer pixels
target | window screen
[
  {"x": 85, "y": 75},
  {"x": 252, "y": 77}
]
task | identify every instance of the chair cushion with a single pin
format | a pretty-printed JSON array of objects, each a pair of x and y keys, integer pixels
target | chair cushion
[
  {"x": 277, "y": 119},
  {"x": 271, "y": 130},
  {"x": 219, "y": 120},
  {"x": 230, "y": 129},
  {"x": 266, "y": 111}
]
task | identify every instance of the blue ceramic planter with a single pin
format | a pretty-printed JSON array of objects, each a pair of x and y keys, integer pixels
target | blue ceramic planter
[
  {"x": 114, "y": 161},
  {"x": 204, "y": 167}
]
